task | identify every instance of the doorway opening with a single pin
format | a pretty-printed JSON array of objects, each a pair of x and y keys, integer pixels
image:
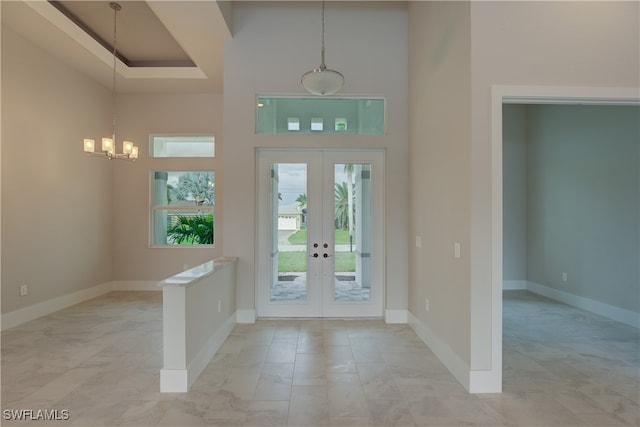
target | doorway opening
[{"x": 502, "y": 95}]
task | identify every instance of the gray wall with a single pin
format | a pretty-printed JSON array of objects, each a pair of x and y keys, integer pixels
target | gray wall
[
  {"x": 141, "y": 115},
  {"x": 69, "y": 221},
  {"x": 439, "y": 77},
  {"x": 56, "y": 201},
  {"x": 582, "y": 199},
  {"x": 514, "y": 192}
]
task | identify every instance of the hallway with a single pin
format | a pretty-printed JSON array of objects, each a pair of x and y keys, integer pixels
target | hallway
[{"x": 101, "y": 359}]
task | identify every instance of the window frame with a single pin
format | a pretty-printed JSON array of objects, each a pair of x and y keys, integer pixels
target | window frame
[{"x": 154, "y": 207}]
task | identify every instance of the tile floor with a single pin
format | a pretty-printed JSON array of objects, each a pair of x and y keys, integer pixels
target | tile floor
[{"x": 100, "y": 360}]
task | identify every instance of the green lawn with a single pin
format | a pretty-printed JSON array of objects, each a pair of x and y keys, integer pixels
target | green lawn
[
  {"x": 300, "y": 237},
  {"x": 297, "y": 261}
]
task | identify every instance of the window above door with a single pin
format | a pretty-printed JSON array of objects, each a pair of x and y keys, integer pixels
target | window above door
[{"x": 313, "y": 115}]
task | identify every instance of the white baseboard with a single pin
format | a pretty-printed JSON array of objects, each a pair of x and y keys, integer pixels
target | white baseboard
[
  {"x": 447, "y": 356},
  {"x": 474, "y": 381},
  {"x": 26, "y": 314},
  {"x": 246, "y": 316},
  {"x": 32, "y": 312},
  {"x": 174, "y": 380},
  {"x": 136, "y": 285},
  {"x": 488, "y": 381},
  {"x": 514, "y": 285},
  {"x": 213, "y": 344},
  {"x": 627, "y": 317},
  {"x": 181, "y": 380},
  {"x": 396, "y": 316}
]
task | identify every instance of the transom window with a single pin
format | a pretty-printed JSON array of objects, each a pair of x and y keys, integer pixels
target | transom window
[
  {"x": 182, "y": 146},
  {"x": 309, "y": 115}
]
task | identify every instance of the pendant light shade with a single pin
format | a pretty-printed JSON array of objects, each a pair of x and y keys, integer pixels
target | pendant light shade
[{"x": 321, "y": 80}]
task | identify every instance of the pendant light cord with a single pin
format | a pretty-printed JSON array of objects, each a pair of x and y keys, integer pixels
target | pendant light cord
[
  {"x": 322, "y": 65},
  {"x": 320, "y": 80}
]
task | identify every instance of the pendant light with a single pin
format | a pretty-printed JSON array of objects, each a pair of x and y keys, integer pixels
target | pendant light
[
  {"x": 321, "y": 80},
  {"x": 129, "y": 150}
]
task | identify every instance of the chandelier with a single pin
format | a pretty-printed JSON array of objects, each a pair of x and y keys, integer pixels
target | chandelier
[
  {"x": 129, "y": 150},
  {"x": 321, "y": 80}
]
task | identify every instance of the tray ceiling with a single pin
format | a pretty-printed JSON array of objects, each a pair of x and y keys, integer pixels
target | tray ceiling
[{"x": 163, "y": 46}]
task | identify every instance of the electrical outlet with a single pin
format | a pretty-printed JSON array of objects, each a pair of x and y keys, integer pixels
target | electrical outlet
[
  {"x": 219, "y": 306},
  {"x": 564, "y": 277},
  {"x": 23, "y": 290},
  {"x": 456, "y": 250},
  {"x": 185, "y": 267},
  {"x": 426, "y": 304},
  {"x": 418, "y": 241}
]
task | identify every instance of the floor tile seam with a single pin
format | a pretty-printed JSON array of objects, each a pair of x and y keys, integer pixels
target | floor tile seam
[
  {"x": 360, "y": 380},
  {"x": 49, "y": 402}
]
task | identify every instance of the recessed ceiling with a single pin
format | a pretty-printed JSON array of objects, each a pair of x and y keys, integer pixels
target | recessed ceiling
[
  {"x": 141, "y": 40},
  {"x": 164, "y": 46}
]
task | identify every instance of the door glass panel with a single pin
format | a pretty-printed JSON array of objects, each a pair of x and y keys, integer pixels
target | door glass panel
[
  {"x": 289, "y": 232},
  {"x": 352, "y": 244}
]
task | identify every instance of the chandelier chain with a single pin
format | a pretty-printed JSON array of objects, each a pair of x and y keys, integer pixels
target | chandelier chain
[
  {"x": 129, "y": 149},
  {"x": 116, "y": 7}
]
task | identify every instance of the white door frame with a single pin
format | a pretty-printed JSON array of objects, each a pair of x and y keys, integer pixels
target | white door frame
[
  {"x": 327, "y": 307},
  {"x": 506, "y": 94}
]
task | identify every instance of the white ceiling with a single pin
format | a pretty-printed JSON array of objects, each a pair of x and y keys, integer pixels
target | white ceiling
[{"x": 188, "y": 35}]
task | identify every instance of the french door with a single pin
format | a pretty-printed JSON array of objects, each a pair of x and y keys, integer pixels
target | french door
[{"x": 320, "y": 233}]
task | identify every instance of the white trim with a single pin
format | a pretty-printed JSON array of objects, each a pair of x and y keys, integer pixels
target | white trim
[
  {"x": 136, "y": 285},
  {"x": 174, "y": 380},
  {"x": 496, "y": 256},
  {"x": 618, "y": 314},
  {"x": 447, "y": 356},
  {"x": 181, "y": 380},
  {"x": 246, "y": 316},
  {"x": 396, "y": 316},
  {"x": 514, "y": 285},
  {"x": 485, "y": 381},
  {"x": 26, "y": 314},
  {"x": 570, "y": 95}
]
